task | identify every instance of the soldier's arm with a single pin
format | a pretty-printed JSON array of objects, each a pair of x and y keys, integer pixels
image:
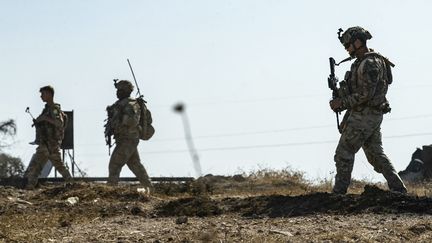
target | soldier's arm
[
  {"x": 56, "y": 120},
  {"x": 370, "y": 74}
]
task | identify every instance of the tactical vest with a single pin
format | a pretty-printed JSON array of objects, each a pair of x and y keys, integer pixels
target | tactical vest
[
  {"x": 47, "y": 132},
  {"x": 357, "y": 78},
  {"x": 125, "y": 118}
]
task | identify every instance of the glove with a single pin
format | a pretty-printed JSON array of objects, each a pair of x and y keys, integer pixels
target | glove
[{"x": 336, "y": 105}]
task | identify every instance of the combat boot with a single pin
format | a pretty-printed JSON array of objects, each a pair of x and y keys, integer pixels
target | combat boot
[
  {"x": 339, "y": 192},
  {"x": 31, "y": 183},
  {"x": 400, "y": 190},
  {"x": 148, "y": 187}
]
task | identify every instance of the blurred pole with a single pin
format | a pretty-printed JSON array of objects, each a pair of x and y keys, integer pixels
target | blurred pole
[{"x": 180, "y": 108}]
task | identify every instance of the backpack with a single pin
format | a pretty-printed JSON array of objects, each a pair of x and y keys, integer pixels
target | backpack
[
  {"x": 147, "y": 130},
  {"x": 388, "y": 64}
]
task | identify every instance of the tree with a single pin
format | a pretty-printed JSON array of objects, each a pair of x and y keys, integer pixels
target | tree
[
  {"x": 7, "y": 129},
  {"x": 9, "y": 166}
]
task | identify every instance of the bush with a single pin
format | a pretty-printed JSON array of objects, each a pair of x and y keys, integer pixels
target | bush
[{"x": 10, "y": 166}]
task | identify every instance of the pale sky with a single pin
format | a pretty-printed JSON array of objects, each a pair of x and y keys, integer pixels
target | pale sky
[{"x": 253, "y": 76}]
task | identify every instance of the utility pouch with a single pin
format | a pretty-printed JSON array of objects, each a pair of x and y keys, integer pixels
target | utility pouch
[
  {"x": 385, "y": 107},
  {"x": 343, "y": 89}
]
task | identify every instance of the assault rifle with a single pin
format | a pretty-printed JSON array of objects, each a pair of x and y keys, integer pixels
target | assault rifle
[
  {"x": 108, "y": 143},
  {"x": 332, "y": 84},
  {"x": 108, "y": 127}
]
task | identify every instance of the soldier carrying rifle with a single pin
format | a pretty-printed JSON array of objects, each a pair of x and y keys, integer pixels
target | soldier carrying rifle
[
  {"x": 50, "y": 126},
  {"x": 363, "y": 95},
  {"x": 124, "y": 124}
]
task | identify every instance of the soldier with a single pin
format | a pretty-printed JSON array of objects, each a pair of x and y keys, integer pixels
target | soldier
[
  {"x": 123, "y": 123},
  {"x": 50, "y": 126},
  {"x": 365, "y": 100}
]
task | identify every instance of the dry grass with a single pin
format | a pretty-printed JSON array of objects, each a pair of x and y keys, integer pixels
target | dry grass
[
  {"x": 421, "y": 189},
  {"x": 296, "y": 178},
  {"x": 106, "y": 214},
  {"x": 269, "y": 182},
  {"x": 284, "y": 182}
]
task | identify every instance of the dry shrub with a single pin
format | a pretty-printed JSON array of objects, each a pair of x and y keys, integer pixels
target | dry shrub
[
  {"x": 357, "y": 186},
  {"x": 276, "y": 177},
  {"x": 260, "y": 182},
  {"x": 270, "y": 181},
  {"x": 421, "y": 189}
]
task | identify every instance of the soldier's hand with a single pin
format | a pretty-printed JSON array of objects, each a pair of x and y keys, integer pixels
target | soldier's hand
[{"x": 336, "y": 105}]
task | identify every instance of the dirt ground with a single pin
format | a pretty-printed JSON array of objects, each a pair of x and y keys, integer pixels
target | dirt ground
[{"x": 213, "y": 209}]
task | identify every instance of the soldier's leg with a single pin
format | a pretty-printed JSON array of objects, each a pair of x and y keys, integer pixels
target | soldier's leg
[
  {"x": 381, "y": 163},
  {"x": 349, "y": 144},
  {"x": 57, "y": 162},
  {"x": 138, "y": 169},
  {"x": 344, "y": 159},
  {"x": 30, "y": 166},
  {"x": 118, "y": 159},
  {"x": 36, "y": 165}
]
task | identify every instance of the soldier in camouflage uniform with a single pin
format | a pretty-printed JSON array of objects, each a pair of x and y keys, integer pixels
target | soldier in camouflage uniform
[
  {"x": 363, "y": 95},
  {"x": 123, "y": 123},
  {"x": 50, "y": 126}
]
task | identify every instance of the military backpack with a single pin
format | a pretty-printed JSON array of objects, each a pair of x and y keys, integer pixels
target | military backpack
[{"x": 147, "y": 130}]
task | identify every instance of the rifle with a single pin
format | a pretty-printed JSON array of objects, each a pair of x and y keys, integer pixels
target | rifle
[
  {"x": 108, "y": 126},
  {"x": 27, "y": 110},
  {"x": 107, "y": 131},
  {"x": 333, "y": 81},
  {"x": 332, "y": 84}
]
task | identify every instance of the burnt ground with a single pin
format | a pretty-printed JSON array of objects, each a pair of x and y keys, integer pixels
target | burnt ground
[
  {"x": 183, "y": 213},
  {"x": 372, "y": 200}
]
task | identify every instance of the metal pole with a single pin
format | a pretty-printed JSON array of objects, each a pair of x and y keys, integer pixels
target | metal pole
[
  {"x": 188, "y": 135},
  {"x": 73, "y": 162},
  {"x": 192, "y": 149}
]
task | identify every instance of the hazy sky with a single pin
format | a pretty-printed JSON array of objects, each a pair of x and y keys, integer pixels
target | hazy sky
[{"x": 253, "y": 76}]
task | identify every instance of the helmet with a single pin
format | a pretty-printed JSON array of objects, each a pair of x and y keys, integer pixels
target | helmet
[
  {"x": 353, "y": 33},
  {"x": 124, "y": 85}
]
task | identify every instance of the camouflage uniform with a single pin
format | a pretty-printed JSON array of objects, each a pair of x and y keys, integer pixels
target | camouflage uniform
[
  {"x": 363, "y": 95},
  {"x": 48, "y": 138},
  {"x": 365, "y": 101},
  {"x": 124, "y": 125}
]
